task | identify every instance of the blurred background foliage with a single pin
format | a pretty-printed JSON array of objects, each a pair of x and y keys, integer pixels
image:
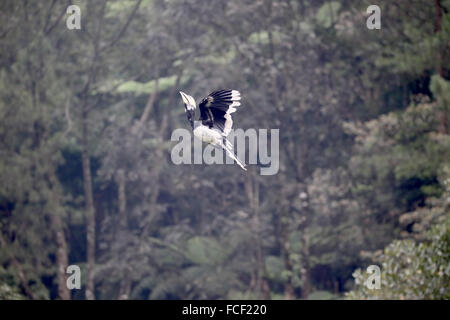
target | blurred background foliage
[{"x": 86, "y": 177}]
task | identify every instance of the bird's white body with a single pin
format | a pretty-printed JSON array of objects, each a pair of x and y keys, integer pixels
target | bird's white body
[
  {"x": 207, "y": 134},
  {"x": 217, "y": 139}
]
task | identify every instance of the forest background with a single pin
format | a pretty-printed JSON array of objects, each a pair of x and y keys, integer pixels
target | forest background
[{"x": 86, "y": 178}]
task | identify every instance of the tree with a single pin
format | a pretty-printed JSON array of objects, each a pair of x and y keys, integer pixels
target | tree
[{"x": 411, "y": 270}]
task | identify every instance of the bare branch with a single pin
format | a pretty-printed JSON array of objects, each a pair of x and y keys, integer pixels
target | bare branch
[
  {"x": 150, "y": 103},
  {"x": 124, "y": 28}
]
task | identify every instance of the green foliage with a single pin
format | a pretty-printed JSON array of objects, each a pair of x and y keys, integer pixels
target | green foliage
[
  {"x": 399, "y": 157},
  {"x": 202, "y": 250},
  {"x": 321, "y": 295},
  {"x": 328, "y": 13},
  {"x": 441, "y": 89},
  {"x": 146, "y": 88},
  {"x": 411, "y": 270},
  {"x": 364, "y": 148},
  {"x": 8, "y": 293},
  {"x": 274, "y": 268}
]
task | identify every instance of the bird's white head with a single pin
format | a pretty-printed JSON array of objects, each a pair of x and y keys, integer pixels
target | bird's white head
[{"x": 189, "y": 107}]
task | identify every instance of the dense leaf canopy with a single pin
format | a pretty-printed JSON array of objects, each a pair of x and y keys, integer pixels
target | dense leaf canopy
[{"x": 86, "y": 176}]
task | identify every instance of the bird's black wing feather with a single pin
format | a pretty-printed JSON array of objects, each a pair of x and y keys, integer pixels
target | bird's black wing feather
[{"x": 216, "y": 109}]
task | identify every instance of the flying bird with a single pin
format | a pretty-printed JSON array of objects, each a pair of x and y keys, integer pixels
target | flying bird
[{"x": 215, "y": 120}]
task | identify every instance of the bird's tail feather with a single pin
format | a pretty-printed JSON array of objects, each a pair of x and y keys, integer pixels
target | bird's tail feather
[{"x": 229, "y": 149}]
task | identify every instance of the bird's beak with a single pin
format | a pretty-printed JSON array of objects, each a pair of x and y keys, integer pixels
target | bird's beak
[{"x": 183, "y": 96}]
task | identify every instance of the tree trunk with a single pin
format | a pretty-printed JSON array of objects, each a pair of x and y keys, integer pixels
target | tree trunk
[
  {"x": 159, "y": 152},
  {"x": 305, "y": 276},
  {"x": 22, "y": 277},
  {"x": 150, "y": 103},
  {"x": 261, "y": 283},
  {"x": 443, "y": 121},
  {"x": 122, "y": 222},
  {"x": 437, "y": 16},
  {"x": 289, "y": 293},
  {"x": 284, "y": 232},
  {"x": 57, "y": 226},
  {"x": 305, "y": 213},
  {"x": 125, "y": 283},
  {"x": 125, "y": 286},
  {"x": 90, "y": 210}
]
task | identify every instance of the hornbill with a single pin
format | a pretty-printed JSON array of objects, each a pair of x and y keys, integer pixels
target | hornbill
[{"x": 215, "y": 121}]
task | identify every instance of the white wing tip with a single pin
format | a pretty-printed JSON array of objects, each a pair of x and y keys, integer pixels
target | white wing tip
[{"x": 235, "y": 95}]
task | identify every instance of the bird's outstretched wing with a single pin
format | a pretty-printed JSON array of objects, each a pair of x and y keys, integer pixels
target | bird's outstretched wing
[{"x": 217, "y": 107}]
